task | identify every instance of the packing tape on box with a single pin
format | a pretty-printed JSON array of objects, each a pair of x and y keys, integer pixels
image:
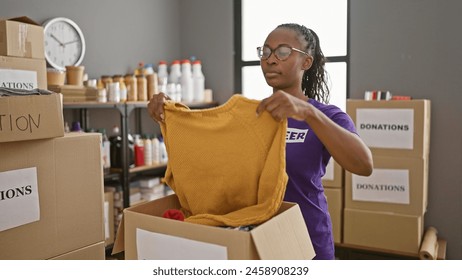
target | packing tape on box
[{"x": 429, "y": 247}]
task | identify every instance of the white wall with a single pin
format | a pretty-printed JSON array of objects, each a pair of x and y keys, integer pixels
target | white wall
[{"x": 413, "y": 48}]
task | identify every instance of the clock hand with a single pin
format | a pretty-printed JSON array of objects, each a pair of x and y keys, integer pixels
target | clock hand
[
  {"x": 67, "y": 43},
  {"x": 57, "y": 40}
]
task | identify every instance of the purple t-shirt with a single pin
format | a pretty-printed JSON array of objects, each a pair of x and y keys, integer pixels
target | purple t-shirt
[{"x": 306, "y": 160}]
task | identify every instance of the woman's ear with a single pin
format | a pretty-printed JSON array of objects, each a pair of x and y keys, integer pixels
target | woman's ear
[{"x": 307, "y": 63}]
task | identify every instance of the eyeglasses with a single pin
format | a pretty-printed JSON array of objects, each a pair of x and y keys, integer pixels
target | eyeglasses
[{"x": 281, "y": 53}]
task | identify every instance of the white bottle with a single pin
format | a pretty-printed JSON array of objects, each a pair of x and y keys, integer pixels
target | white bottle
[
  {"x": 148, "y": 69},
  {"x": 163, "y": 151},
  {"x": 106, "y": 150},
  {"x": 198, "y": 81},
  {"x": 155, "y": 150},
  {"x": 147, "y": 151},
  {"x": 175, "y": 72},
  {"x": 162, "y": 76},
  {"x": 114, "y": 92},
  {"x": 186, "y": 81}
]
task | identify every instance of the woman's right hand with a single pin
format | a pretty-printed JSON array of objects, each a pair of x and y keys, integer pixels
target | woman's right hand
[{"x": 156, "y": 106}]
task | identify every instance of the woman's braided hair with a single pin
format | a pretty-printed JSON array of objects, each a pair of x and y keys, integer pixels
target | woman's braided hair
[{"x": 314, "y": 82}]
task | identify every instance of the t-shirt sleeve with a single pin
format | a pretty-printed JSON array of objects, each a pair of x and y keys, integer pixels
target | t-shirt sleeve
[{"x": 343, "y": 119}]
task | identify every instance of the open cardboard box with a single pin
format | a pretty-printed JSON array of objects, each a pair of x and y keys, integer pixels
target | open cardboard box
[{"x": 284, "y": 236}]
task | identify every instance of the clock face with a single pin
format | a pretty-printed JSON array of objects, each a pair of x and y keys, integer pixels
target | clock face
[{"x": 64, "y": 43}]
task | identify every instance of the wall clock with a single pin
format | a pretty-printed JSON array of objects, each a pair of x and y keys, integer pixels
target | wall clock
[{"x": 64, "y": 43}]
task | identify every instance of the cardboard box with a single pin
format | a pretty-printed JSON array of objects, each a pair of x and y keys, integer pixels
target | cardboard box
[
  {"x": 91, "y": 252},
  {"x": 335, "y": 202},
  {"x": 23, "y": 73},
  {"x": 397, "y": 185},
  {"x": 383, "y": 230},
  {"x": 393, "y": 128},
  {"x": 109, "y": 218},
  {"x": 31, "y": 117},
  {"x": 334, "y": 176},
  {"x": 21, "y": 37},
  {"x": 60, "y": 209},
  {"x": 283, "y": 237}
]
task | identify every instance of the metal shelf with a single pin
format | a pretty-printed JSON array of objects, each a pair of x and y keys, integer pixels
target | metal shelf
[{"x": 125, "y": 109}]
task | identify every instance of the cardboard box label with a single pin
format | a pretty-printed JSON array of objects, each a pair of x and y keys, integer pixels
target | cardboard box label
[
  {"x": 383, "y": 185},
  {"x": 19, "y": 198},
  {"x": 386, "y": 128},
  {"x": 18, "y": 79},
  {"x": 157, "y": 246},
  {"x": 31, "y": 117}
]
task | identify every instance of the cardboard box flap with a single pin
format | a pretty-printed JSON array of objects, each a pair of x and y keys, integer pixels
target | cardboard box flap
[
  {"x": 143, "y": 208},
  {"x": 285, "y": 236},
  {"x": 24, "y": 19},
  {"x": 293, "y": 239},
  {"x": 119, "y": 243}
]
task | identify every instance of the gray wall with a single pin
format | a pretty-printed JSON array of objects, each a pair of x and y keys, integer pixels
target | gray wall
[
  {"x": 409, "y": 47},
  {"x": 413, "y": 48}
]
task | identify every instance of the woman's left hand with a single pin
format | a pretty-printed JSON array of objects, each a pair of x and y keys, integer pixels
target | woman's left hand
[{"x": 282, "y": 105}]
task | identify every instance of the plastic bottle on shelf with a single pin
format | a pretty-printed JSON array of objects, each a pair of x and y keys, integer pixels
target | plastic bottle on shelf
[
  {"x": 142, "y": 87},
  {"x": 67, "y": 129},
  {"x": 106, "y": 150},
  {"x": 139, "y": 151},
  {"x": 113, "y": 90},
  {"x": 148, "y": 69},
  {"x": 116, "y": 148},
  {"x": 122, "y": 88},
  {"x": 151, "y": 85},
  {"x": 76, "y": 127},
  {"x": 162, "y": 76},
  {"x": 198, "y": 81},
  {"x": 186, "y": 81},
  {"x": 123, "y": 91},
  {"x": 155, "y": 150},
  {"x": 132, "y": 87},
  {"x": 162, "y": 151},
  {"x": 147, "y": 150},
  {"x": 140, "y": 69},
  {"x": 175, "y": 72}
]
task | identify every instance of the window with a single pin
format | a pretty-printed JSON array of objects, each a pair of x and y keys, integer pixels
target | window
[{"x": 254, "y": 19}]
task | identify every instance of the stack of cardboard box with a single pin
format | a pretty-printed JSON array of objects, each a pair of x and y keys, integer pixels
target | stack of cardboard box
[
  {"x": 333, "y": 182},
  {"x": 51, "y": 183},
  {"x": 22, "y": 54},
  {"x": 386, "y": 210}
]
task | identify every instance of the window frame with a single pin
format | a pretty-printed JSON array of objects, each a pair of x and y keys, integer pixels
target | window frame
[{"x": 239, "y": 63}]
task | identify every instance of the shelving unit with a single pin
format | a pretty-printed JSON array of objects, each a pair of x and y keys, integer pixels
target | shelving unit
[{"x": 125, "y": 173}]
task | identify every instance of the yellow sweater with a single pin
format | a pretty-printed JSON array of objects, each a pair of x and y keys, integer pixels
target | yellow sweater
[{"x": 226, "y": 165}]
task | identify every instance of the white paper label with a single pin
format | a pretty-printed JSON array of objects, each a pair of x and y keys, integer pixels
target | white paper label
[
  {"x": 329, "y": 175},
  {"x": 295, "y": 135},
  {"x": 18, "y": 79},
  {"x": 384, "y": 185},
  {"x": 157, "y": 246},
  {"x": 19, "y": 198},
  {"x": 386, "y": 128}
]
